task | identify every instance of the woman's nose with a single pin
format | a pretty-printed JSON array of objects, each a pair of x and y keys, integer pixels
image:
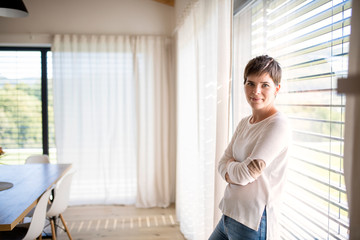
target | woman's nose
[{"x": 257, "y": 89}]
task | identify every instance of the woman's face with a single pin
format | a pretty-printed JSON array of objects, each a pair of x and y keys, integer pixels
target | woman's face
[{"x": 261, "y": 91}]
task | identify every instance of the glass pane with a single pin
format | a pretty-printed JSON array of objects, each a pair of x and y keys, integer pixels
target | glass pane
[{"x": 20, "y": 105}]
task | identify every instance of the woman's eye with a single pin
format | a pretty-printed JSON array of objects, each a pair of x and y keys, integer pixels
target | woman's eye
[
  {"x": 250, "y": 84},
  {"x": 266, "y": 85}
]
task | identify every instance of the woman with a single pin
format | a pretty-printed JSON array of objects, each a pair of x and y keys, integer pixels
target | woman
[{"x": 255, "y": 161}]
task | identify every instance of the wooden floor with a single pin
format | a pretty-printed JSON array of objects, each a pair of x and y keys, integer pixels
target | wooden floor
[{"x": 120, "y": 223}]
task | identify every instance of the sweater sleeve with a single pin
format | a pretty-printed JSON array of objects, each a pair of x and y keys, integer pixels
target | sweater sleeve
[
  {"x": 270, "y": 143},
  {"x": 228, "y": 154},
  {"x": 239, "y": 172}
]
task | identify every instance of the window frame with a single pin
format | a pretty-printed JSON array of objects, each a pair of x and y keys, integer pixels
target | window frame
[{"x": 44, "y": 89}]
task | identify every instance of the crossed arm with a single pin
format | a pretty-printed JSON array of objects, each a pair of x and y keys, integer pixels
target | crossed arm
[
  {"x": 243, "y": 173},
  {"x": 268, "y": 145}
]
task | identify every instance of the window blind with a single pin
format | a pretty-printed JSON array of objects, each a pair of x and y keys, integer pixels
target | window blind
[
  {"x": 22, "y": 74},
  {"x": 310, "y": 39}
]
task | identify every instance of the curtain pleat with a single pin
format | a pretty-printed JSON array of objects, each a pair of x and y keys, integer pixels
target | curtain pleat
[
  {"x": 105, "y": 117},
  {"x": 154, "y": 157},
  {"x": 203, "y": 74},
  {"x": 242, "y": 54}
]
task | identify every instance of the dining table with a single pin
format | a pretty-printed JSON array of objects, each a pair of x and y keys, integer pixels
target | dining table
[{"x": 24, "y": 185}]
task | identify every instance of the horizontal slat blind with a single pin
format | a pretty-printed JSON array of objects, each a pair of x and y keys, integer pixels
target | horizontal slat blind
[
  {"x": 20, "y": 104},
  {"x": 311, "y": 41}
]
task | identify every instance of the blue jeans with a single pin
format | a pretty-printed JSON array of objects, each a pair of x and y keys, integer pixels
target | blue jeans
[{"x": 230, "y": 229}]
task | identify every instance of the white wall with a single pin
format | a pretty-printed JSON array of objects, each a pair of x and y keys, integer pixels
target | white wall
[
  {"x": 48, "y": 17},
  {"x": 180, "y": 6}
]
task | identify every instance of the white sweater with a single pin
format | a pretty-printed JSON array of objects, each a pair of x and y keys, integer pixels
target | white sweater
[{"x": 245, "y": 201}]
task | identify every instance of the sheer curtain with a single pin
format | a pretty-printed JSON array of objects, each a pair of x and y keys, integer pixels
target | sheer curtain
[
  {"x": 242, "y": 54},
  {"x": 107, "y": 107},
  {"x": 203, "y": 55},
  {"x": 155, "y": 130}
]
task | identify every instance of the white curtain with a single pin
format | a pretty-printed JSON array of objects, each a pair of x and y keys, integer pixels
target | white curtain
[
  {"x": 155, "y": 130},
  {"x": 108, "y": 103},
  {"x": 203, "y": 55},
  {"x": 242, "y": 54}
]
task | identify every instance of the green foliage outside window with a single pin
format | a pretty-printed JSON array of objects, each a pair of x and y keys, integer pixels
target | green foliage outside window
[{"x": 20, "y": 112}]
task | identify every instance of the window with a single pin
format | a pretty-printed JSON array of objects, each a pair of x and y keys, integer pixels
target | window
[
  {"x": 25, "y": 106},
  {"x": 310, "y": 39}
]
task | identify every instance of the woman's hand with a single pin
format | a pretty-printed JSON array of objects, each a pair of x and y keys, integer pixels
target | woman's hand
[
  {"x": 227, "y": 178},
  {"x": 230, "y": 161}
]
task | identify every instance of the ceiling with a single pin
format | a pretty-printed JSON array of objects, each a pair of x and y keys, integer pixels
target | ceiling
[{"x": 167, "y": 2}]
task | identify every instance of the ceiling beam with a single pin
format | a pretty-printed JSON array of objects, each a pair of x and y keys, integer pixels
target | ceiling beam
[{"x": 167, "y": 2}]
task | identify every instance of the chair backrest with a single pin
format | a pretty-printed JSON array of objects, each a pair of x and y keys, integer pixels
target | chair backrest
[
  {"x": 61, "y": 195},
  {"x": 37, "y": 159},
  {"x": 38, "y": 219}
]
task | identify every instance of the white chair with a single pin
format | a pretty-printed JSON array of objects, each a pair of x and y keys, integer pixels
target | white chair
[
  {"x": 60, "y": 203},
  {"x": 37, "y": 159},
  {"x": 33, "y": 229}
]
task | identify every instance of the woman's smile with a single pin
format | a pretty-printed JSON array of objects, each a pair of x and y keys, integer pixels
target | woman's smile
[{"x": 256, "y": 99}]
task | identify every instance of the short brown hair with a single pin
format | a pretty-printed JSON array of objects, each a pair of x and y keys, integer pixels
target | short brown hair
[{"x": 263, "y": 64}]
